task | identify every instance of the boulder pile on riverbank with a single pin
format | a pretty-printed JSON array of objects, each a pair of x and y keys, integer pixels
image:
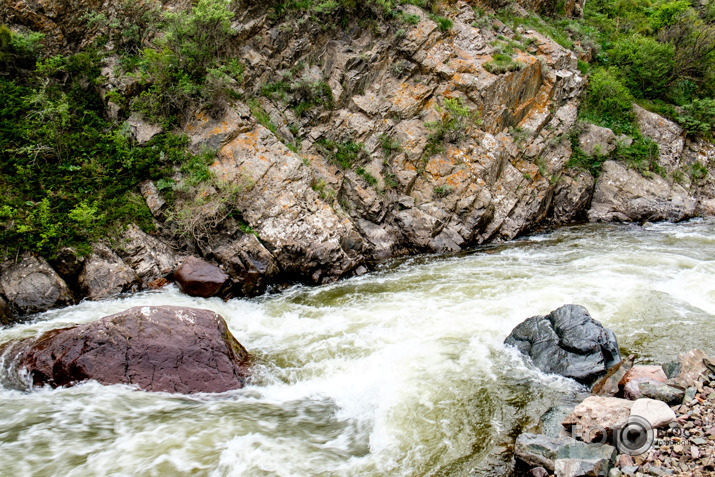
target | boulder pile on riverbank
[
  {"x": 641, "y": 420},
  {"x": 156, "y": 348}
]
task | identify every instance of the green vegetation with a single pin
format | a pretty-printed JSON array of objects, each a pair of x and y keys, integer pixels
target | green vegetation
[
  {"x": 69, "y": 173},
  {"x": 389, "y": 145},
  {"x": 443, "y": 23},
  {"x": 456, "y": 120},
  {"x": 344, "y": 154},
  {"x": 442, "y": 191}
]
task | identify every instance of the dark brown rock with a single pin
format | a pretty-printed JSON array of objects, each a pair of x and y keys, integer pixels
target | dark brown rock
[
  {"x": 166, "y": 348},
  {"x": 608, "y": 385},
  {"x": 68, "y": 263},
  {"x": 197, "y": 277},
  {"x": 6, "y": 317}
]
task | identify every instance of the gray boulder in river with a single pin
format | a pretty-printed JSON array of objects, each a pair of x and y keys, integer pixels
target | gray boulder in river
[{"x": 568, "y": 342}]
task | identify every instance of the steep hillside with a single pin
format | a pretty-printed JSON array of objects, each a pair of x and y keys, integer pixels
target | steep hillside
[{"x": 301, "y": 142}]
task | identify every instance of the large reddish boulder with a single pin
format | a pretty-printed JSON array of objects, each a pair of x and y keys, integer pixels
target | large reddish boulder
[
  {"x": 163, "y": 348},
  {"x": 198, "y": 277}
]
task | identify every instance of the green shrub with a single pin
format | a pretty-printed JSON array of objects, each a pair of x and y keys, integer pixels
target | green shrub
[
  {"x": 608, "y": 102},
  {"x": 389, "y": 145},
  {"x": 641, "y": 155},
  {"x": 647, "y": 65},
  {"x": 176, "y": 68},
  {"x": 443, "y": 23},
  {"x": 344, "y": 154},
  {"x": 698, "y": 117},
  {"x": 442, "y": 191},
  {"x": 456, "y": 119},
  {"x": 669, "y": 13}
]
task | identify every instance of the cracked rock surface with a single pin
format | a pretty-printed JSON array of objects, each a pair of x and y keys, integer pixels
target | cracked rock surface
[{"x": 162, "y": 348}]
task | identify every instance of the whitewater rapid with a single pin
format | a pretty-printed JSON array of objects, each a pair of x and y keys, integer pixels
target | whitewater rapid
[{"x": 399, "y": 372}]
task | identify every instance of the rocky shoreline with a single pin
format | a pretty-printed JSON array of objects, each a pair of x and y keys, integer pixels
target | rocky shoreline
[{"x": 640, "y": 420}]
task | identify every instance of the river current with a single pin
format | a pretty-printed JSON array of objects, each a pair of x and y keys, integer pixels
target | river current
[{"x": 399, "y": 372}]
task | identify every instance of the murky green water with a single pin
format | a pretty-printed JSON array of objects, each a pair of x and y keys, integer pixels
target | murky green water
[{"x": 400, "y": 372}]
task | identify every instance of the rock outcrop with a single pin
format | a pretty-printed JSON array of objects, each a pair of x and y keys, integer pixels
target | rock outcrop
[
  {"x": 624, "y": 195},
  {"x": 564, "y": 456},
  {"x": 105, "y": 275},
  {"x": 147, "y": 256},
  {"x": 170, "y": 349},
  {"x": 568, "y": 342},
  {"x": 30, "y": 286},
  {"x": 316, "y": 194}
]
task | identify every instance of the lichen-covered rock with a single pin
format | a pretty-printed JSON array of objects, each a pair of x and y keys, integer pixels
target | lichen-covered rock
[
  {"x": 153, "y": 198},
  {"x": 143, "y": 131},
  {"x": 31, "y": 286},
  {"x": 165, "y": 348},
  {"x": 668, "y": 135},
  {"x": 568, "y": 342},
  {"x": 624, "y": 195},
  {"x": 597, "y": 141},
  {"x": 105, "y": 275},
  {"x": 302, "y": 232}
]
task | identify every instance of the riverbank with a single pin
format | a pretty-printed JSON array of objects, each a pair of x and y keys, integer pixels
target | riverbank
[
  {"x": 400, "y": 371},
  {"x": 610, "y": 436}
]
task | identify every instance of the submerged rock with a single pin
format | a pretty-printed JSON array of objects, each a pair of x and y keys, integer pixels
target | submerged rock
[
  {"x": 31, "y": 286},
  {"x": 198, "y": 277},
  {"x": 568, "y": 342},
  {"x": 165, "y": 348}
]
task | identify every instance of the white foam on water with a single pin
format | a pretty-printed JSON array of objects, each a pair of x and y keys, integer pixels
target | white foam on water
[{"x": 401, "y": 371}]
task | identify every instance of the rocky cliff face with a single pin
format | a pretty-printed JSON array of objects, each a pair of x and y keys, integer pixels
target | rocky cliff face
[{"x": 360, "y": 144}]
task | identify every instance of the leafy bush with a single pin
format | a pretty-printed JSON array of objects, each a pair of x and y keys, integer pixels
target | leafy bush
[
  {"x": 698, "y": 117},
  {"x": 647, "y": 65},
  {"x": 669, "y": 13},
  {"x": 132, "y": 24},
  {"x": 608, "y": 102},
  {"x": 176, "y": 68},
  {"x": 443, "y": 23}
]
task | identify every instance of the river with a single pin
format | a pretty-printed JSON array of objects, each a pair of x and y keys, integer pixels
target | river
[{"x": 398, "y": 372}]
